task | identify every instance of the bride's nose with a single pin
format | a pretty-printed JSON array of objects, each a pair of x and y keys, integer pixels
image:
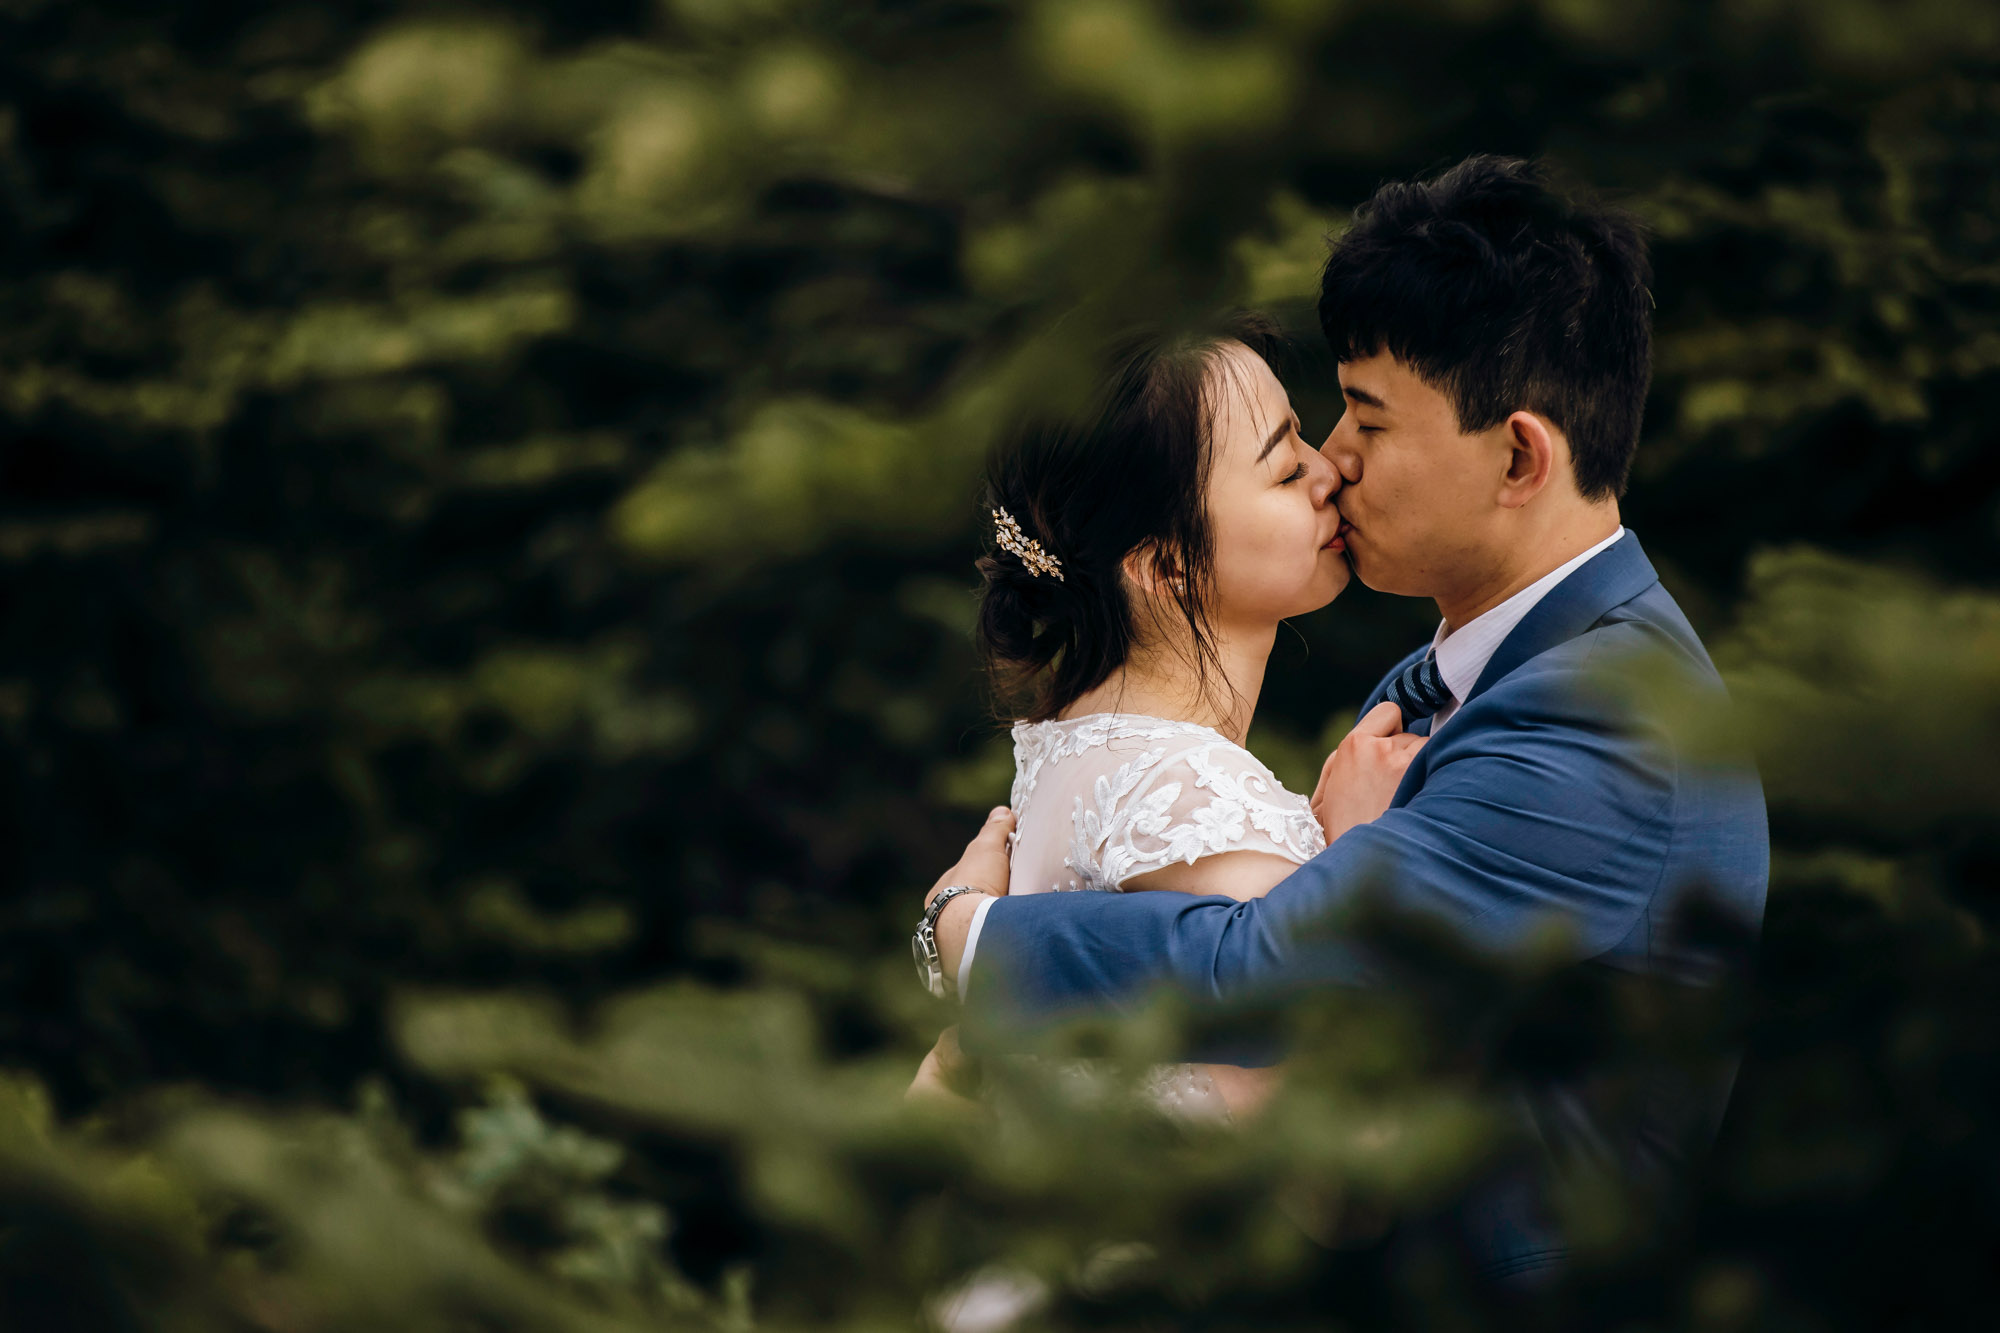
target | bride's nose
[{"x": 1326, "y": 479}]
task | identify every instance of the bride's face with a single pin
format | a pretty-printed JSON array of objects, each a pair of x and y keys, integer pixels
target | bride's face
[{"x": 1271, "y": 501}]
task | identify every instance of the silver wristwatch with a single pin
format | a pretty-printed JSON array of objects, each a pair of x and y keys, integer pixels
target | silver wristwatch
[{"x": 930, "y": 967}]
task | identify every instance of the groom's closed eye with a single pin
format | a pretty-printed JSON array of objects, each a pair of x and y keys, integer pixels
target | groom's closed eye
[{"x": 1359, "y": 398}]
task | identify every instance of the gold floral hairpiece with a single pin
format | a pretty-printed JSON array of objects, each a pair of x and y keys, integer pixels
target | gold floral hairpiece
[{"x": 1032, "y": 555}]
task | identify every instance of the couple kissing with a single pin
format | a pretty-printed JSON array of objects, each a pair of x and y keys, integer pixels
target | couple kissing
[{"x": 1493, "y": 336}]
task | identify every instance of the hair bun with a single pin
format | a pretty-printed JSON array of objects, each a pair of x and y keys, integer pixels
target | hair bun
[{"x": 1018, "y": 609}]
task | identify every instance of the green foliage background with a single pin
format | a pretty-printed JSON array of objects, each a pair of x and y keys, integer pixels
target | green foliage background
[{"x": 485, "y": 533}]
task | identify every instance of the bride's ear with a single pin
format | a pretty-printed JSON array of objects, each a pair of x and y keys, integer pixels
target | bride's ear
[{"x": 1152, "y": 572}]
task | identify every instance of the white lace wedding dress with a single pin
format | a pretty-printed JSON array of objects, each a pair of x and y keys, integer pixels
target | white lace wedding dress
[{"x": 1106, "y": 797}]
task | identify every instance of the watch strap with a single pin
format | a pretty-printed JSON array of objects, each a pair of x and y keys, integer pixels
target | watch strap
[
  {"x": 945, "y": 895},
  {"x": 930, "y": 964}
]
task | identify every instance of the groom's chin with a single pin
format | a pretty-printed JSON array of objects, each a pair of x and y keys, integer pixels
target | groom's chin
[
  {"x": 1376, "y": 577},
  {"x": 1359, "y": 571}
]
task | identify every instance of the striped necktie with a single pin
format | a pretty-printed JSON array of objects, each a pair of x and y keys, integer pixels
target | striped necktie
[{"x": 1420, "y": 691}]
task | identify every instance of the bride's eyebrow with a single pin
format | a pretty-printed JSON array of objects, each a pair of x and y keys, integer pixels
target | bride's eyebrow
[{"x": 1283, "y": 429}]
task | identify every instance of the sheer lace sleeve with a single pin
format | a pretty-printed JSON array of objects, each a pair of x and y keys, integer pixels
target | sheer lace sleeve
[
  {"x": 1105, "y": 798},
  {"x": 1181, "y": 803}
]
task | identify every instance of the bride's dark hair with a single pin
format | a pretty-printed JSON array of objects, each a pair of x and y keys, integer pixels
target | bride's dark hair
[{"x": 1130, "y": 473}]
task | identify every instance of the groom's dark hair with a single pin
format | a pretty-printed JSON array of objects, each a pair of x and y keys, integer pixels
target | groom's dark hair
[{"x": 1505, "y": 294}]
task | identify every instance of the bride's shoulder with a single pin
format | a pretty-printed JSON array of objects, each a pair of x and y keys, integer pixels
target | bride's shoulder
[
  {"x": 1126, "y": 734},
  {"x": 1149, "y": 756},
  {"x": 1061, "y": 738},
  {"x": 1192, "y": 793},
  {"x": 1221, "y": 767}
]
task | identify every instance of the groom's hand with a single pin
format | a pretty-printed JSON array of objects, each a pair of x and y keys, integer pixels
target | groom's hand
[
  {"x": 986, "y": 865},
  {"x": 1360, "y": 777},
  {"x": 948, "y": 1077}
]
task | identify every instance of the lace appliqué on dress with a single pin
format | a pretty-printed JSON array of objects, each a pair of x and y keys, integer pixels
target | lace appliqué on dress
[{"x": 1173, "y": 801}]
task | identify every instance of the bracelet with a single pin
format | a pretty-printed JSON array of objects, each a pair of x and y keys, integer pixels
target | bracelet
[{"x": 923, "y": 945}]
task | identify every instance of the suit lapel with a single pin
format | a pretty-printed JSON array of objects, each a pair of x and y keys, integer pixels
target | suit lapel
[{"x": 1611, "y": 578}]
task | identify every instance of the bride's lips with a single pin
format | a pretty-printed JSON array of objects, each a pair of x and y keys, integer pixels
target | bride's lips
[{"x": 1339, "y": 539}]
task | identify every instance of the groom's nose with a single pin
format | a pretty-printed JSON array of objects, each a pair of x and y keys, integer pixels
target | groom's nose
[{"x": 1345, "y": 459}]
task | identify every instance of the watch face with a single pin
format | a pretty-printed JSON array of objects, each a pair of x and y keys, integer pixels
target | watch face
[{"x": 923, "y": 963}]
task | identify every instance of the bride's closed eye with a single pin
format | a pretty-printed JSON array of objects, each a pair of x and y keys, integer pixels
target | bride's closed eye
[{"x": 1296, "y": 474}]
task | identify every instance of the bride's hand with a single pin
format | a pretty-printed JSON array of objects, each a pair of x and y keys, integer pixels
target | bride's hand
[
  {"x": 988, "y": 860},
  {"x": 1360, "y": 778}
]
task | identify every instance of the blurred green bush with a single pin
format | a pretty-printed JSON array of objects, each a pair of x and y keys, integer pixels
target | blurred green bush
[{"x": 486, "y": 532}]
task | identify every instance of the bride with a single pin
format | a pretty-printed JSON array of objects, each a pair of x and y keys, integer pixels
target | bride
[{"x": 1143, "y": 558}]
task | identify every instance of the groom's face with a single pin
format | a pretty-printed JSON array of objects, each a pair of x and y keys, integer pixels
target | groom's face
[{"x": 1421, "y": 496}]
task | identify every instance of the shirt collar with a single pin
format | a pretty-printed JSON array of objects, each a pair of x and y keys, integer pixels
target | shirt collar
[{"x": 1463, "y": 654}]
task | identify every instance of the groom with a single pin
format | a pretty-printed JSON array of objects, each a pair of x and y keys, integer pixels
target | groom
[{"x": 1494, "y": 340}]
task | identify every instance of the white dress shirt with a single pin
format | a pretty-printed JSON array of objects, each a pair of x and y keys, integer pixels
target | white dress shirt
[
  {"x": 1462, "y": 654},
  {"x": 972, "y": 942}
]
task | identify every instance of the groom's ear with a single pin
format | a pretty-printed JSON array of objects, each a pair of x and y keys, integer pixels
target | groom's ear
[{"x": 1536, "y": 450}]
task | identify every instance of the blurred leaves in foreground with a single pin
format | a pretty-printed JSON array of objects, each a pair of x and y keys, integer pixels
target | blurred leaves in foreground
[{"x": 488, "y": 497}]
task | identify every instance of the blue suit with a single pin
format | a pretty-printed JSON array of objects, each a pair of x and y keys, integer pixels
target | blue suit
[{"x": 1547, "y": 795}]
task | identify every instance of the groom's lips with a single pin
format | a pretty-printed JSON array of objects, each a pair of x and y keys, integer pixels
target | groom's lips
[{"x": 1339, "y": 542}]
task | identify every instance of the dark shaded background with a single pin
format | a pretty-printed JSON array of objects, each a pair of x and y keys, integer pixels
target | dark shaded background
[{"x": 487, "y": 506}]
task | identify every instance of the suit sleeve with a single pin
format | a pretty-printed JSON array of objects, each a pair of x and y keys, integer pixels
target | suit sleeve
[{"x": 1540, "y": 799}]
